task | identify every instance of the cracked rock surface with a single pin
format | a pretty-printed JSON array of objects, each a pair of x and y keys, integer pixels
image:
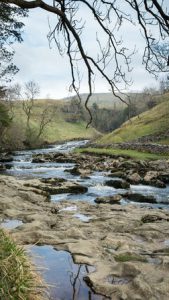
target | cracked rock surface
[{"x": 128, "y": 245}]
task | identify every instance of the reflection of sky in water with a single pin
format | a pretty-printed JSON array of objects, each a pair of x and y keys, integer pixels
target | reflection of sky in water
[
  {"x": 57, "y": 269},
  {"x": 10, "y": 224}
]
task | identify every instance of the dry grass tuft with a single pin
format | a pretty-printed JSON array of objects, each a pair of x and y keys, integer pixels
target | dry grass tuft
[{"x": 18, "y": 281}]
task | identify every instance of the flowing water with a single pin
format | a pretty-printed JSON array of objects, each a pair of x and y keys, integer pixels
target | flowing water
[
  {"x": 22, "y": 167},
  {"x": 66, "y": 277}
]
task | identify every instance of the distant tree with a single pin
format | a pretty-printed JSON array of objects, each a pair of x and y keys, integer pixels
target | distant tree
[
  {"x": 42, "y": 117},
  {"x": 106, "y": 119},
  {"x": 10, "y": 32},
  {"x": 73, "y": 110},
  {"x": 31, "y": 91},
  {"x": 5, "y": 119},
  {"x": 164, "y": 84},
  {"x": 46, "y": 117}
]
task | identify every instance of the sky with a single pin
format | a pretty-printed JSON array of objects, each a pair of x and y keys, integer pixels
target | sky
[{"x": 38, "y": 62}]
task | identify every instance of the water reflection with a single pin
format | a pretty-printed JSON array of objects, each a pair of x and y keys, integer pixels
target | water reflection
[
  {"x": 10, "y": 224},
  {"x": 62, "y": 274}
]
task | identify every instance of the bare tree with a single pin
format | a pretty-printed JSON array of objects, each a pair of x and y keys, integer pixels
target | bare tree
[
  {"x": 164, "y": 84},
  {"x": 46, "y": 117},
  {"x": 151, "y": 17},
  {"x": 43, "y": 116},
  {"x": 32, "y": 90}
]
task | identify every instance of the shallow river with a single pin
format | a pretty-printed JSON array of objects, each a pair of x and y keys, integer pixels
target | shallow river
[{"x": 58, "y": 268}]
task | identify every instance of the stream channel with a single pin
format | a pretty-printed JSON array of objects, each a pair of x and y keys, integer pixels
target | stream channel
[{"x": 64, "y": 277}]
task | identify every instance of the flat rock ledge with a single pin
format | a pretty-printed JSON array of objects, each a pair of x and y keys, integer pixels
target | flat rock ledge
[{"x": 128, "y": 245}]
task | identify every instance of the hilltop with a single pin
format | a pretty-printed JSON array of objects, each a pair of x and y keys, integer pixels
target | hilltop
[
  {"x": 102, "y": 99},
  {"x": 154, "y": 122}
]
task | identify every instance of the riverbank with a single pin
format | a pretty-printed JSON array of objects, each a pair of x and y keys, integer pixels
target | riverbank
[
  {"x": 126, "y": 244},
  {"x": 125, "y": 150}
]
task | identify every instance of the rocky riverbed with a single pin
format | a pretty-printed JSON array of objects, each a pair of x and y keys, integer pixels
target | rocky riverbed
[{"x": 128, "y": 245}]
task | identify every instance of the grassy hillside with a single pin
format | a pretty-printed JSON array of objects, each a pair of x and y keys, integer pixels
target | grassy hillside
[
  {"x": 58, "y": 129},
  {"x": 153, "y": 121}
]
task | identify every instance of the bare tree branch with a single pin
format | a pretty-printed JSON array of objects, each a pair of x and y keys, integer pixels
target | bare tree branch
[{"x": 151, "y": 17}]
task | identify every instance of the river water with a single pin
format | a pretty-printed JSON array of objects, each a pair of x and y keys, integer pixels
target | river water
[
  {"x": 60, "y": 272},
  {"x": 22, "y": 167}
]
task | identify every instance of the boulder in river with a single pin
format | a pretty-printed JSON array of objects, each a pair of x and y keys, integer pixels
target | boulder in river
[
  {"x": 128, "y": 164},
  {"x": 153, "y": 178},
  {"x": 74, "y": 171},
  {"x": 114, "y": 199},
  {"x": 57, "y": 186},
  {"x": 2, "y": 167},
  {"x": 150, "y": 175},
  {"x": 5, "y": 158},
  {"x": 155, "y": 182},
  {"x": 164, "y": 177},
  {"x": 84, "y": 173},
  {"x": 137, "y": 197},
  {"x": 118, "y": 184},
  {"x": 52, "y": 157},
  {"x": 134, "y": 178},
  {"x": 115, "y": 173}
]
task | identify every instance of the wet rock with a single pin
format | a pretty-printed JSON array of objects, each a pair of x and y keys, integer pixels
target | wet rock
[
  {"x": 53, "y": 181},
  {"x": 158, "y": 183},
  {"x": 109, "y": 199},
  {"x": 38, "y": 160},
  {"x": 65, "y": 159},
  {"x": 164, "y": 177},
  {"x": 2, "y": 167},
  {"x": 6, "y": 159},
  {"x": 8, "y": 166},
  {"x": 110, "y": 241},
  {"x": 52, "y": 157},
  {"x": 134, "y": 178},
  {"x": 155, "y": 182},
  {"x": 128, "y": 164},
  {"x": 150, "y": 175},
  {"x": 118, "y": 184},
  {"x": 137, "y": 197},
  {"x": 57, "y": 186},
  {"x": 115, "y": 173},
  {"x": 85, "y": 173},
  {"x": 74, "y": 171}
]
